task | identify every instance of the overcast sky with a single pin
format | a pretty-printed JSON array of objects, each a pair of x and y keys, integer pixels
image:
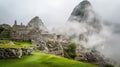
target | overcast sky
[{"x": 53, "y": 12}]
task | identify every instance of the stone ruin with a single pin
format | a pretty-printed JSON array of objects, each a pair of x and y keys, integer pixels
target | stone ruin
[
  {"x": 46, "y": 42},
  {"x": 28, "y": 32},
  {"x": 50, "y": 43},
  {"x": 36, "y": 32},
  {"x": 14, "y": 52}
]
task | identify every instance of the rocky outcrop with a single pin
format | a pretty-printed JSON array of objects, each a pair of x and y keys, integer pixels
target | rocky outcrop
[{"x": 14, "y": 52}]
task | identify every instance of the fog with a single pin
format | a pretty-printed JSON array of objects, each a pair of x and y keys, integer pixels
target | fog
[{"x": 53, "y": 12}]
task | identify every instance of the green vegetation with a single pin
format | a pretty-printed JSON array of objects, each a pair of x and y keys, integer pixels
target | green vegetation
[
  {"x": 10, "y": 46},
  {"x": 70, "y": 50},
  {"x": 39, "y": 59},
  {"x": 17, "y": 44},
  {"x": 6, "y": 41},
  {"x": 25, "y": 43},
  {"x": 109, "y": 65},
  {"x": 5, "y": 34},
  {"x": 42, "y": 60},
  {"x": 5, "y": 31}
]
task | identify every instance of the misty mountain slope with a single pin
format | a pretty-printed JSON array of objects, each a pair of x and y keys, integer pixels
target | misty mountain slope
[
  {"x": 99, "y": 35},
  {"x": 83, "y": 13},
  {"x": 115, "y": 27},
  {"x": 84, "y": 26},
  {"x": 113, "y": 43},
  {"x": 87, "y": 30}
]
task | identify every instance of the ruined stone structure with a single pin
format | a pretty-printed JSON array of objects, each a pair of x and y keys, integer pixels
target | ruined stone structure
[
  {"x": 28, "y": 32},
  {"x": 14, "y": 52},
  {"x": 49, "y": 43},
  {"x": 20, "y": 32},
  {"x": 35, "y": 31}
]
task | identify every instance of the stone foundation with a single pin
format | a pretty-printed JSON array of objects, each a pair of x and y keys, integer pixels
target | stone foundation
[{"x": 14, "y": 52}]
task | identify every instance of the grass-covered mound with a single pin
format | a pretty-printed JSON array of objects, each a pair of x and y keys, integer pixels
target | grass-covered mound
[{"x": 42, "y": 60}]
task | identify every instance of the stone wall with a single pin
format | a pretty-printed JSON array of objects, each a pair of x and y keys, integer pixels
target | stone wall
[
  {"x": 14, "y": 52},
  {"x": 49, "y": 43}
]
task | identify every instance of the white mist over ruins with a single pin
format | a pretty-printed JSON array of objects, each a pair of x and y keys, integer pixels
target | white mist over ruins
[
  {"x": 87, "y": 29},
  {"x": 85, "y": 37}
]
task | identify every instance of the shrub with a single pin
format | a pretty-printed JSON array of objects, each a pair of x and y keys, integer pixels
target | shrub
[
  {"x": 109, "y": 65},
  {"x": 70, "y": 50}
]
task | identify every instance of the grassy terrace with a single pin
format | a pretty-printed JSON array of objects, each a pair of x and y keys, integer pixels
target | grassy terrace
[
  {"x": 17, "y": 44},
  {"x": 38, "y": 59},
  {"x": 42, "y": 60},
  {"x": 10, "y": 46}
]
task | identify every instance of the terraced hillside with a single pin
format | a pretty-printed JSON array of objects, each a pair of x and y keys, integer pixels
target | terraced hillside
[{"x": 42, "y": 60}]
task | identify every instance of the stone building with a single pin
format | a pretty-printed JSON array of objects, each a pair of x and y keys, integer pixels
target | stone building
[
  {"x": 27, "y": 32},
  {"x": 20, "y": 32}
]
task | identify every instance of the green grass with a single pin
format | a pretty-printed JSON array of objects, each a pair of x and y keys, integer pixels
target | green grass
[
  {"x": 42, "y": 60},
  {"x": 38, "y": 59},
  {"x": 17, "y": 44},
  {"x": 6, "y": 40},
  {"x": 23, "y": 43},
  {"x": 10, "y": 46}
]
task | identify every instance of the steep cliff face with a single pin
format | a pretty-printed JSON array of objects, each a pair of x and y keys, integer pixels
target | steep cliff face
[
  {"x": 83, "y": 13},
  {"x": 89, "y": 27},
  {"x": 81, "y": 10}
]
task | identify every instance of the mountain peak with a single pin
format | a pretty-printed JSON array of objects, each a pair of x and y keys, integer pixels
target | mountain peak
[
  {"x": 85, "y": 3},
  {"x": 83, "y": 13},
  {"x": 81, "y": 8},
  {"x": 36, "y": 17},
  {"x": 36, "y": 23}
]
